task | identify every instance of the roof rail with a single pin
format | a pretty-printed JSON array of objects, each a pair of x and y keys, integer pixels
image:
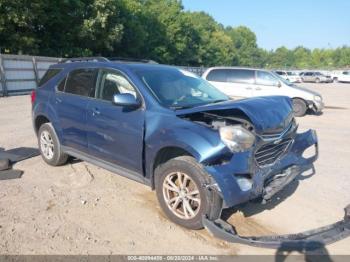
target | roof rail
[
  {"x": 85, "y": 59},
  {"x": 131, "y": 60}
]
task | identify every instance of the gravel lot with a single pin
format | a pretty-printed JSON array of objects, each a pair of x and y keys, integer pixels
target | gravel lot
[{"x": 82, "y": 209}]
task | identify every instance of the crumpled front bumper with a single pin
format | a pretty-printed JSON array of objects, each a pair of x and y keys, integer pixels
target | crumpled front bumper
[
  {"x": 243, "y": 166},
  {"x": 312, "y": 238},
  {"x": 316, "y": 106},
  {"x": 266, "y": 183}
]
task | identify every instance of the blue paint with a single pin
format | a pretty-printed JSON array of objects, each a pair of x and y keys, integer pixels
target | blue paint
[{"x": 133, "y": 137}]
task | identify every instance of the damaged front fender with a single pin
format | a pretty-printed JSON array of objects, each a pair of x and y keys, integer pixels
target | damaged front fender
[{"x": 323, "y": 235}]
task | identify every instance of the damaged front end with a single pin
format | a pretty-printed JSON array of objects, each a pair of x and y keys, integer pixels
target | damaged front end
[{"x": 276, "y": 158}]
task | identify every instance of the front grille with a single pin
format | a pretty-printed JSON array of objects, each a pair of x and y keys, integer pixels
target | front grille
[
  {"x": 276, "y": 133},
  {"x": 269, "y": 153}
]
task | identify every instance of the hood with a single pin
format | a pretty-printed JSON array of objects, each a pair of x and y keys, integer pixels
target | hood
[
  {"x": 306, "y": 90},
  {"x": 265, "y": 113}
]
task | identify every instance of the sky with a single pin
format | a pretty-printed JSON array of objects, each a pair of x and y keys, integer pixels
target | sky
[{"x": 310, "y": 23}]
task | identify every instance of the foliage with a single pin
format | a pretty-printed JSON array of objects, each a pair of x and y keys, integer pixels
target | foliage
[{"x": 155, "y": 29}]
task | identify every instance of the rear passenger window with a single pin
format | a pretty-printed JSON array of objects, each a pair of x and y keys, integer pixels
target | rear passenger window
[
  {"x": 82, "y": 82},
  {"x": 240, "y": 76},
  {"x": 217, "y": 75},
  {"x": 50, "y": 73}
]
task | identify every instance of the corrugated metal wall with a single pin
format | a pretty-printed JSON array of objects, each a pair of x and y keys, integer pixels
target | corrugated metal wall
[{"x": 19, "y": 74}]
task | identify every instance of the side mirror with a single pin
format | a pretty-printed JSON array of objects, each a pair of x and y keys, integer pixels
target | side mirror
[
  {"x": 279, "y": 84},
  {"x": 126, "y": 100}
]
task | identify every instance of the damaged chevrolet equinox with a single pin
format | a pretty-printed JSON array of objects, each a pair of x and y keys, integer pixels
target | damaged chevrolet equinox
[{"x": 171, "y": 130}]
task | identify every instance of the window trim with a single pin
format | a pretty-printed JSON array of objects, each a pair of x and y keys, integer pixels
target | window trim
[
  {"x": 67, "y": 76},
  {"x": 99, "y": 69}
]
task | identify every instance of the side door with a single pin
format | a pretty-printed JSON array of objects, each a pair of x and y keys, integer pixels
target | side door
[
  {"x": 71, "y": 102},
  {"x": 115, "y": 133},
  {"x": 307, "y": 77},
  {"x": 267, "y": 84},
  {"x": 241, "y": 81}
]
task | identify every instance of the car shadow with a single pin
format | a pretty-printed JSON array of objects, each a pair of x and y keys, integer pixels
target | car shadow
[
  {"x": 73, "y": 160},
  {"x": 313, "y": 113},
  {"x": 255, "y": 206},
  {"x": 312, "y": 251}
]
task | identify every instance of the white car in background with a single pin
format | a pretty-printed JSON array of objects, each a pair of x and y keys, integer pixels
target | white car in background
[
  {"x": 289, "y": 76},
  {"x": 247, "y": 82},
  {"x": 341, "y": 76}
]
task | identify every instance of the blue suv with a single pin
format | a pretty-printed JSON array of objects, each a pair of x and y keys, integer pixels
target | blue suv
[{"x": 171, "y": 130}]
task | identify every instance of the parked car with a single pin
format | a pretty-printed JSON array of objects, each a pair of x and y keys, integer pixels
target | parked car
[
  {"x": 316, "y": 77},
  {"x": 342, "y": 76},
  {"x": 248, "y": 82},
  {"x": 171, "y": 130},
  {"x": 289, "y": 76}
]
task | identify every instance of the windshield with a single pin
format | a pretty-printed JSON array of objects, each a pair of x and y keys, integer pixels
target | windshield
[
  {"x": 176, "y": 88},
  {"x": 282, "y": 79}
]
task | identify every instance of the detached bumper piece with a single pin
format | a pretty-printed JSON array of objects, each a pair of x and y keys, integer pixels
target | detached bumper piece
[{"x": 323, "y": 235}]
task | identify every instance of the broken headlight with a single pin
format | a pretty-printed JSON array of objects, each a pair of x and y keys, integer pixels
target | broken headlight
[{"x": 236, "y": 138}]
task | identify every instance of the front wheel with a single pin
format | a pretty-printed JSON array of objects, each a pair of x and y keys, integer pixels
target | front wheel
[
  {"x": 335, "y": 80},
  {"x": 181, "y": 192},
  {"x": 299, "y": 107},
  {"x": 318, "y": 80}
]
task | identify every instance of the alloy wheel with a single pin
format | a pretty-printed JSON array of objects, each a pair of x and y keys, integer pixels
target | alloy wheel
[
  {"x": 181, "y": 195},
  {"x": 46, "y": 145}
]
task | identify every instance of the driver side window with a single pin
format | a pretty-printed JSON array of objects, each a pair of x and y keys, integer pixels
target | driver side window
[
  {"x": 266, "y": 79},
  {"x": 111, "y": 83}
]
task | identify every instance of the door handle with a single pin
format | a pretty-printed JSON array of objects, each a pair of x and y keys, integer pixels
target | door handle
[
  {"x": 258, "y": 88},
  {"x": 95, "y": 112},
  {"x": 248, "y": 88},
  {"x": 58, "y": 100}
]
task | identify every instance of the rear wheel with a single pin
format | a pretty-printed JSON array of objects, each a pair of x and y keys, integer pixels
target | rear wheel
[
  {"x": 299, "y": 107},
  {"x": 181, "y": 192},
  {"x": 335, "y": 80},
  {"x": 49, "y": 146},
  {"x": 317, "y": 80}
]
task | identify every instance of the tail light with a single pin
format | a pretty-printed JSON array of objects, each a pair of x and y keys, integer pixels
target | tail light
[{"x": 33, "y": 96}]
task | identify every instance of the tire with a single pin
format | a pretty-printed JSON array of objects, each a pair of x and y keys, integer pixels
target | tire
[
  {"x": 50, "y": 147},
  {"x": 335, "y": 80},
  {"x": 317, "y": 80},
  {"x": 299, "y": 107},
  {"x": 207, "y": 201}
]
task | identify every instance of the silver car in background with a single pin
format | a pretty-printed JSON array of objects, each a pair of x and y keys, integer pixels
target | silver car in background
[
  {"x": 290, "y": 76},
  {"x": 315, "y": 77}
]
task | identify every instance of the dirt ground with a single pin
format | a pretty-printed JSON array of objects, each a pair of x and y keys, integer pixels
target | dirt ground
[{"x": 82, "y": 209}]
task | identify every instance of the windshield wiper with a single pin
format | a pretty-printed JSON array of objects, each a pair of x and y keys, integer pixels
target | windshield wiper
[
  {"x": 196, "y": 105},
  {"x": 181, "y": 107},
  {"x": 217, "y": 101}
]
